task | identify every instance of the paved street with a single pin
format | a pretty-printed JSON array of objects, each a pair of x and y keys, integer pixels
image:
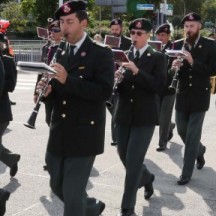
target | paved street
[{"x": 30, "y": 191}]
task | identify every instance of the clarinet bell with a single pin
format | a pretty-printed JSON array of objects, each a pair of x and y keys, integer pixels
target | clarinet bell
[{"x": 31, "y": 121}]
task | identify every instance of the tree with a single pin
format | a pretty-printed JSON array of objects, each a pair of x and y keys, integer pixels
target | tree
[
  {"x": 12, "y": 12},
  {"x": 40, "y": 9}
]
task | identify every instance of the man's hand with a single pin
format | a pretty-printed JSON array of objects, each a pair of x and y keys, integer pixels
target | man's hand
[
  {"x": 42, "y": 84},
  {"x": 61, "y": 74},
  {"x": 188, "y": 57},
  {"x": 131, "y": 66}
]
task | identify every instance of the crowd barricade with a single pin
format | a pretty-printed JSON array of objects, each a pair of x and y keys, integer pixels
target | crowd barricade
[{"x": 27, "y": 50}]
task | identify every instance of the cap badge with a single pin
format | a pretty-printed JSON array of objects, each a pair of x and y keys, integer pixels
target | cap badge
[
  {"x": 116, "y": 22},
  {"x": 138, "y": 24},
  {"x": 200, "y": 46},
  {"x": 148, "y": 54},
  {"x": 191, "y": 17},
  {"x": 66, "y": 8},
  {"x": 165, "y": 29}
]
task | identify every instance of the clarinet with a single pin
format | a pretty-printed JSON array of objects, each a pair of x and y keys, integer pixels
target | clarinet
[
  {"x": 175, "y": 79},
  {"x": 32, "y": 119},
  {"x": 118, "y": 80}
]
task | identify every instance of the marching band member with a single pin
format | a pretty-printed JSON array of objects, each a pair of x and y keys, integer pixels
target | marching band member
[
  {"x": 193, "y": 92},
  {"x": 138, "y": 112},
  {"x": 168, "y": 97},
  {"x": 116, "y": 29},
  {"x": 79, "y": 90}
]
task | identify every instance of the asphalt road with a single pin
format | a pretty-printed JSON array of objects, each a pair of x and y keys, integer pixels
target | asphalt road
[{"x": 30, "y": 191}]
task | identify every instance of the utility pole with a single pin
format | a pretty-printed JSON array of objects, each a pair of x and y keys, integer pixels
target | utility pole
[{"x": 60, "y": 3}]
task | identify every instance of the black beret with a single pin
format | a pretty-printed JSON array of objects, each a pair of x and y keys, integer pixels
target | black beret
[
  {"x": 116, "y": 22},
  {"x": 191, "y": 17},
  {"x": 165, "y": 28},
  {"x": 55, "y": 23},
  {"x": 69, "y": 8},
  {"x": 142, "y": 24}
]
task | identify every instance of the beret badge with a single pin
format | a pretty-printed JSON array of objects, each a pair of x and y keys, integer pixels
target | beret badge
[
  {"x": 66, "y": 8},
  {"x": 191, "y": 17},
  {"x": 138, "y": 24}
]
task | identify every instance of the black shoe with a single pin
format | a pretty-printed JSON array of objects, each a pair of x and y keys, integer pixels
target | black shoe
[
  {"x": 183, "y": 180},
  {"x": 14, "y": 169},
  {"x": 4, "y": 197},
  {"x": 102, "y": 207},
  {"x": 12, "y": 103},
  {"x": 126, "y": 212},
  {"x": 170, "y": 135},
  {"x": 149, "y": 190},
  {"x": 201, "y": 160},
  {"x": 161, "y": 148},
  {"x": 113, "y": 143}
]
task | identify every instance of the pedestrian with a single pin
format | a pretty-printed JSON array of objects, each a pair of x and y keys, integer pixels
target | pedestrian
[
  {"x": 193, "y": 92},
  {"x": 138, "y": 112},
  {"x": 79, "y": 90},
  {"x": 166, "y": 126}
]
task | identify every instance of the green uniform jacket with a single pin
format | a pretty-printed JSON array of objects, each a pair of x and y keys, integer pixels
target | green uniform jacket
[
  {"x": 78, "y": 120},
  {"x": 193, "y": 92}
]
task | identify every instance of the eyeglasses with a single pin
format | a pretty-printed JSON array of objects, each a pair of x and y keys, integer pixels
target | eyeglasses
[
  {"x": 138, "y": 33},
  {"x": 55, "y": 30}
]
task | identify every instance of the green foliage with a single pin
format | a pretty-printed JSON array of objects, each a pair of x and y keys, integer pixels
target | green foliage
[{"x": 12, "y": 12}]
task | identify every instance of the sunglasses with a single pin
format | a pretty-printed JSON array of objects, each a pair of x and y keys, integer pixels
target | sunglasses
[
  {"x": 138, "y": 33},
  {"x": 55, "y": 30}
]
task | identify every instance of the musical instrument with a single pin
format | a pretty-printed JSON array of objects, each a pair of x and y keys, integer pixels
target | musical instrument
[
  {"x": 118, "y": 80},
  {"x": 174, "y": 82},
  {"x": 32, "y": 119}
]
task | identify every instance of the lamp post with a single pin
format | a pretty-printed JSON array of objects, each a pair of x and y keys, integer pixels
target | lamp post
[{"x": 60, "y": 3}]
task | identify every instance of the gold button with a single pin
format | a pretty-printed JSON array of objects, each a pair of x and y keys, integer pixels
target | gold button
[
  {"x": 206, "y": 88},
  {"x": 80, "y": 77},
  {"x": 131, "y": 100},
  {"x": 190, "y": 77},
  {"x": 132, "y": 86},
  {"x": 190, "y": 84},
  {"x": 92, "y": 122},
  {"x": 64, "y": 102},
  {"x": 63, "y": 115}
]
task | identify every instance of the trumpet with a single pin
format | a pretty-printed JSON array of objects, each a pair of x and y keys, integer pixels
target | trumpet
[
  {"x": 32, "y": 119},
  {"x": 118, "y": 80},
  {"x": 175, "y": 79}
]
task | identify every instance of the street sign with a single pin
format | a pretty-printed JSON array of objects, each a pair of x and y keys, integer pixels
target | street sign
[
  {"x": 145, "y": 6},
  {"x": 166, "y": 9},
  {"x": 119, "y": 9},
  {"x": 111, "y": 2}
]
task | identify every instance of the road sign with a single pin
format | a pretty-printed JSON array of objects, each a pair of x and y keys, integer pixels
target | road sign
[
  {"x": 145, "y": 6},
  {"x": 166, "y": 9},
  {"x": 119, "y": 9},
  {"x": 111, "y": 2}
]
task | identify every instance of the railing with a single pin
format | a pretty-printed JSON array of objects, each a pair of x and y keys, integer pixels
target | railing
[{"x": 27, "y": 50}]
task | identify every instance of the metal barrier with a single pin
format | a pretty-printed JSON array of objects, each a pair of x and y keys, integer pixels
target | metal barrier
[{"x": 27, "y": 50}]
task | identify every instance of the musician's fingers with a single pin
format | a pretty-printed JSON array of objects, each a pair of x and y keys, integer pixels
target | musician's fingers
[{"x": 48, "y": 90}]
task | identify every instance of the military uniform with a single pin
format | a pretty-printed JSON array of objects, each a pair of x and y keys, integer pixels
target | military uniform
[
  {"x": 193, "y": 98},
  {"x": 167, "y": 97},
  {"x": 6, "y": 156},
  {"x": 124, "y": 45},
  {"x": 77, "y": 128},
  {"x": 137, "y": 115}
]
